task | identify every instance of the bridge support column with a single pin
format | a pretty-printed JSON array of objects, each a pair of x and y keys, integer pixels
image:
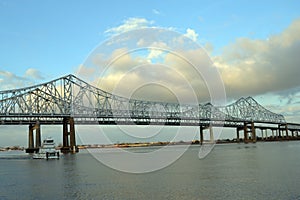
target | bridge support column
[
  {"x": 245, "y": 133},
  {"x": 65, "y": 133},
  {"x": 283, "y": 128},
  {"x": 34, "y": 147},
  {"x": 72, "y": 136},
  {"x": 201, "y": 135},
  {"x": 286, "y": 131},
  {"x": 69, "y": 141},
  {"x": 30, "y": 138},
  {"x": 238, "y": 135},
  {"x": 279, "y": 132},
  {"x": 38, "y": 141},
  {"x": 262, "y": 134},
  {"x": 253, "y": 132},
  {"x": 249, "y": 129},
  {"x": 211, "y": 134}
]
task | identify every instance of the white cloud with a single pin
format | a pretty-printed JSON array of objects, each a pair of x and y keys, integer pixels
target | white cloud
[
  {"x": 190, "y": 33},
  {"x": 156, "y": 12},
  {"x": 129, "y": 25},
  {"x": 33, "y": 73},
  {"x": 247, "y": 66},
  {"x": 130, "y": 72},
  {"x": 153, "y": 50},
  {"x": 156, "y": 51},
  {"x": 85, "y": 72},
  {"x": 6, "y": 74},
  {"x": 253, "y": 67},
  {"x": 12, "y": 81}
]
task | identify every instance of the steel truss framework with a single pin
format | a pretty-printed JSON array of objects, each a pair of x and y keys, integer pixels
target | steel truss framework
[{"x": 69, "y": 96}]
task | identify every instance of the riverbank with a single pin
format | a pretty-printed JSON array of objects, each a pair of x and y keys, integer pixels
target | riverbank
[
  {"x": 149, "y": 144},
  {"x": 194, "y": 142},
  {"x": 12, "y": 148}
]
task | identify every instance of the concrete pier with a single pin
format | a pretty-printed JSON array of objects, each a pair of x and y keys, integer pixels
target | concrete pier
[
  {"x": 38, "y": 141},
  {"x": 69, "y": 140},
  {"x": 249, "y": 129},
  {"x": 30, "y": 137},
  {"x": 283, "y": 128},
  {"x": 34, "y": 146},
  {"x": 286, "y": 131},
  {"x": 211, "y": 134},
  {"x": 238, "y": 134},
  {"x": 201, "y": 135}
]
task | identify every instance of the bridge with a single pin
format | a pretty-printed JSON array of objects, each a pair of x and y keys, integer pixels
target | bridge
[{"x": 69, "y": 100}]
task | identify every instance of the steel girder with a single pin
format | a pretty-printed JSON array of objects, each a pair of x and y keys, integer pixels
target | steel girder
[{"x": 71, "y": 96}]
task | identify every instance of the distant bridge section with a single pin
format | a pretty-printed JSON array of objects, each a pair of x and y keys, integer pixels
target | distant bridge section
[{"x": 70, "y": 100}]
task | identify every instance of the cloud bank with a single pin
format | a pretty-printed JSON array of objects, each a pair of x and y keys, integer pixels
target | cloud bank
[
  {"x": 163, "y": 58},
  {"x": 248, "y": 67},
  {"x": 128, "y": 25},
  {"x": 9, "y": 80},
  {"x": 254, "y": 67}
]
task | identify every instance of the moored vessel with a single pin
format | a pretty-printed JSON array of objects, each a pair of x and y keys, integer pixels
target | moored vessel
[{"x": 47, "y": 150}]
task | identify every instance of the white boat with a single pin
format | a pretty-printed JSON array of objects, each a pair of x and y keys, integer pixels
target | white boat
[{"x": 47, "y": 150}]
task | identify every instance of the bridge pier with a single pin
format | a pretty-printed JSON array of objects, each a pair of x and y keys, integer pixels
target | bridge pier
[
  {"x": 287, "y": 131},
  {"x": 264, "y": 136},
  {"x": 38, "y": 141},
  {"x": 34, "y": 146},
  {"x": 238, "y": 129},
  {"x": 283, "y": 128},
  {"x": 211, "y": 134},
  {"x": 201, "y": 135},
  {"x": 69, "y": 140},
  {"x": 249, "y": 129},
  {"x": 279, "y": 132},
  {"x": 30, "y": 138}
]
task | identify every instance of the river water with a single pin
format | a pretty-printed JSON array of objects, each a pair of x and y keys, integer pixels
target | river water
[{"x": 230, "y": 171}]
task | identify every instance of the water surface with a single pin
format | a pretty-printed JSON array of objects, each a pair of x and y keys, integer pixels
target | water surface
[{"x": 231, "y": 171}]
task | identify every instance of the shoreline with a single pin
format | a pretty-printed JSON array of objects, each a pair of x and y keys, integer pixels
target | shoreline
[
  {"x": 150, "y": 144},
  {"x": 194, "y": 142}
]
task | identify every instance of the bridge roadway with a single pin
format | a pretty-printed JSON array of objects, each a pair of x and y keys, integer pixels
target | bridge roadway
[{"x": 69, "y": 100}]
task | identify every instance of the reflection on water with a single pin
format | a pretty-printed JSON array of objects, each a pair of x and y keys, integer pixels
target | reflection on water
[{"x": 231, "y": 171}]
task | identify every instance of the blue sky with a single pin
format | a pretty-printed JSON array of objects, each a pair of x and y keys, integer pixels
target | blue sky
[
  {"x": 43, "y": 40},
  {"x": 56, "y": 36}
]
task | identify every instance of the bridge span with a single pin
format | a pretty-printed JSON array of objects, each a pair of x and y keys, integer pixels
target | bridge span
[{"x": 69, "y": 100}]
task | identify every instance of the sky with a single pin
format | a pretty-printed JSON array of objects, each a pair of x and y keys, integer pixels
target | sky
[{"x": 254, "y": 45}]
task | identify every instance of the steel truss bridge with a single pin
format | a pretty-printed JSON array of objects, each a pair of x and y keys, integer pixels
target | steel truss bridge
[{"x": 69, "y": 100}]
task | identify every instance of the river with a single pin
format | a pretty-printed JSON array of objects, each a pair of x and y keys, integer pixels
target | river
[{"x": 269, "y": 170}]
